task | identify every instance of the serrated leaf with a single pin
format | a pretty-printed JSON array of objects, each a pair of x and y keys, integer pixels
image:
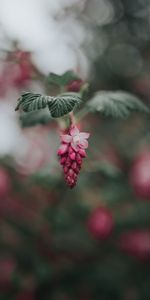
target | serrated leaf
[
  {"x": 30, "y": 102},
  {"x": 116, "y": 104},
  {"x": 58, "y": 106},
  {"x": 63, "y": 104},
  {"x": 61, "y": 80}
]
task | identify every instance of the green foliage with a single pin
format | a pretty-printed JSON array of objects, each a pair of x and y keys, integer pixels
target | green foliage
[
  {"x": 30, "y": 101},
  {"x": 58, "y": 106},
  {"x": 116, "y": 104},
  {"x": 63, "y": 104},
  {"x": 34, "y": 118},
  {"x": 61, "y": 80}
]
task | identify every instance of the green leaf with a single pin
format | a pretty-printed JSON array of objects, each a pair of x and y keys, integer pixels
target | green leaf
[
  {"x": 34, "y": 118},
  {"x": 61, "y": 80},
  {"x": 58, "y": 106},
  {"x": 30, "y": 102},
  {"x": 116, "y": 104},
  {"x": 63, "y": 104}
]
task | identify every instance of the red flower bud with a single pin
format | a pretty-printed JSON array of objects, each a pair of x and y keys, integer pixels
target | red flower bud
[{"x": 71, "y": 153}]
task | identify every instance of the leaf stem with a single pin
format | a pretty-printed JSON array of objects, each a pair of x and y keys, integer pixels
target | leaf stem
[
  {"x": 72, "y": 118},
  {"x": 64, "y": 122}
]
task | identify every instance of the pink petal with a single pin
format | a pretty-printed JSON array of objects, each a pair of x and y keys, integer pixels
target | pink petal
[
  {"x": 63, "y": 149},
  {"x": 75, "y": 146},
  {"x": 72, "y": 156},
  {"x": 83, "y": 144},
  {"x": 84, "y": 135},
  {"x": 74, "y": 131},
  {"x": 66, "y": 138},
  {"x": 82, "y": 152}
]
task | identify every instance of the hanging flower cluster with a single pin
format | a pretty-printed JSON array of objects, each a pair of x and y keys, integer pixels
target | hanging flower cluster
[
  {"x": 71, "y": 153},
  {"x": 71, "y": 91}
]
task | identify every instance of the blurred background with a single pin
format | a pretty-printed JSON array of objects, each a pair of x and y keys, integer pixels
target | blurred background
[{"x": 92, "y": 242}]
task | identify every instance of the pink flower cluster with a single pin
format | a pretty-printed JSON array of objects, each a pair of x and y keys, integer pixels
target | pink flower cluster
[{"x": 71, "y": 152}]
